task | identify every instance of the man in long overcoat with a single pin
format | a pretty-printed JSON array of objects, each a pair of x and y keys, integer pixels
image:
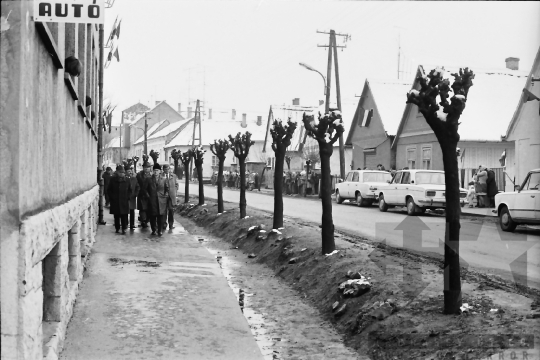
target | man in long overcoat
[
  {"x": 133, "y": 197},
  {"x": 106, "y": 181},
  {"x": 157, "y": 191},
  {"x": 492, "y": 188},
  {"x": 142, "y": 198},
  {"x": 119, "y": 191},
  {"x": 170, "y": 178}
]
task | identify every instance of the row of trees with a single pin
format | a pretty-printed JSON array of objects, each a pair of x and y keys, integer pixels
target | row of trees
[{"x": 441, "y": 114}]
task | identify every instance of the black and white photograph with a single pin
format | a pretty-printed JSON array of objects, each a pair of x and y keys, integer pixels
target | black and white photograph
[{"x": 269, "y": 180}]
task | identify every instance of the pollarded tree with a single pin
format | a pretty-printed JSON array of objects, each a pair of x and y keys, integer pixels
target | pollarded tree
[
  {"x": 326, "y": 131},
  {"x": 154, "y": 155},
  {"x": 219, "y": 148},
  {"x": 186, "y": 159},
  {"x": 145, "y": 158},
  {"x": 240, "y": 145},
  {"x": 176, "y": 155},
  {"x": 281, "y": 139},
  {"x": 198, "y": 156},
  {"x": 444, "y": 121}
]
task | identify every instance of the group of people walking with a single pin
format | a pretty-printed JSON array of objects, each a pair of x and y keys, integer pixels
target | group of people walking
[
  {"x": 152, "y": 191},
  {"x": 300, "y": 182}
]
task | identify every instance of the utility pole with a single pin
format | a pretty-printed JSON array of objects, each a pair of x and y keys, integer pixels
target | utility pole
[
  {"x": 332, "y": 50},
  {"x": 100, "y": 128},
  {"x": 146, "y": 133},
  {"x": 196, "y": 121}
]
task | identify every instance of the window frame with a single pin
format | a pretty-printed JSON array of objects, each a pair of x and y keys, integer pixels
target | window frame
[
  {"x": 407, "y": 151},
  {"x": 425, "y": 147}
]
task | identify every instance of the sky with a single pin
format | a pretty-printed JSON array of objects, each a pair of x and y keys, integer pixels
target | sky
[{"x": 245, "y": 55}]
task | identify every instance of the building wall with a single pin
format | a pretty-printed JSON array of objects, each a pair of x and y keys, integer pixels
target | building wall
[
  {"x": 372, "y": 136},
  {"x": 526, "y": 132},
  {"x": 49, "y": 153}
]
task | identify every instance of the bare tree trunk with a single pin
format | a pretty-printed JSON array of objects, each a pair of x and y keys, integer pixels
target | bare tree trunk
[
  {"x": 327, "y": 233},
  {"x": 201, "y": 185},
  {"x": 242, "y": 162},
  {"x": 220, "y": 185},
  {"x": 452, "y": 271},
  {"x": 278, "y": 191},
  {"x": 186, "y": 190}
]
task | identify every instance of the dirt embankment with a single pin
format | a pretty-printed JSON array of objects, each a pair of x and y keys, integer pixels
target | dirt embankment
[{"x": 400, "y": 316}]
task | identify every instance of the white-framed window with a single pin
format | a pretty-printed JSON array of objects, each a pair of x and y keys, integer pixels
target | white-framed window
[
  {"x": 426, "y": 157},
  {"x": 411, "y": 157},
  {"x": 215, "y": 161},
  {"x": 233, "y": 160},
  {"x": 271, "y": 162}
]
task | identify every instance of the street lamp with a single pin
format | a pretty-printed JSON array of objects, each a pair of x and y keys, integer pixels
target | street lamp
[{"x": 312, "y": 69}]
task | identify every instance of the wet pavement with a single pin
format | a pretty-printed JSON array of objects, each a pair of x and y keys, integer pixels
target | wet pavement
[{"x": 150, "y": 297}]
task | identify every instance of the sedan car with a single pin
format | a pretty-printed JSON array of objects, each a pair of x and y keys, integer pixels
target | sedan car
[
  {"x": 362, "y": 186},
  {"x": 418, "y": 190},
  {"x": 521, "y": 207}
]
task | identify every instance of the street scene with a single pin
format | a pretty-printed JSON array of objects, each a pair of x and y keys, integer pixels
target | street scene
[{"x": 304, "y": 180}]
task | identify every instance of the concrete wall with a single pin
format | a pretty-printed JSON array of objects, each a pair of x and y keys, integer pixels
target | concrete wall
[{"x": 49, "y": 155}]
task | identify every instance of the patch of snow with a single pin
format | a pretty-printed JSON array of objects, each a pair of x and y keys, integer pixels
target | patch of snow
[{"x": 332, "y": 253}]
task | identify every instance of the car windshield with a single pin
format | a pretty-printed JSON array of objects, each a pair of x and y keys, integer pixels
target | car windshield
[
  {"x": 377, "y": 177},
  {"x": 434, "y": 178}
]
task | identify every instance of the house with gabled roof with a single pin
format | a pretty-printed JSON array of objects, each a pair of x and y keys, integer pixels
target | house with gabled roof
[
  {"x": 134, "y": 128},
  {"x": 490, "y": 105},
  {"x": 375, "y": 123},
  {"x": 524, "y": 130}
]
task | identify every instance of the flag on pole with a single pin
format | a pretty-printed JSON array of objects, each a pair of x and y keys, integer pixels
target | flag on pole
[
  {"x": 109, "y": 57},
  {"x": 116, "y": 54},
  {"x": 109, "y": 121},
  {"x": 118, "y": 30}
]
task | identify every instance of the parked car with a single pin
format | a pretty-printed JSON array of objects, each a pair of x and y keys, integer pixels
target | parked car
[
  {"x": 418, "y": 190},
  {"x": 521, "y": 207},
  {"x": 362, "y": 186}
]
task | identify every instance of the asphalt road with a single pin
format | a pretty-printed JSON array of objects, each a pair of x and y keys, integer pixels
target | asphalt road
[{"x": 483, "y": 246}]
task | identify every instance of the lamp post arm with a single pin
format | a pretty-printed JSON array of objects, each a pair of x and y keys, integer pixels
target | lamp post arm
[{"x": 324, "y": 80}]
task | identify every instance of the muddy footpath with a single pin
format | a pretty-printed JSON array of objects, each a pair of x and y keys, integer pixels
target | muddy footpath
[{"x": 364, "y": 301}]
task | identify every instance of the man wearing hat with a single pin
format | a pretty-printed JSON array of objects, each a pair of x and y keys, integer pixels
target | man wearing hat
[
  {"x": 106, "y": 180},
  {"x": 170, "y": 178},
  {"x": 133, "y": 197},
  {"x": 119, "y": 191},
  {"x": 157, "y": 191},
  {"x": 142, "y": 199}
]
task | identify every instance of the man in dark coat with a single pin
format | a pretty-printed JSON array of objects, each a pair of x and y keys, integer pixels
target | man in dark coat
[
  {"x": 119, "y": 192},
  {"x": 170, "y": 178},
  {"x": 142, "y": 199},
  {"x": 134, "y": 183},
  {"x": 156, "y": 190},
  {"x": 106, "y": 180},
  {"x": 492, "y": 189}
]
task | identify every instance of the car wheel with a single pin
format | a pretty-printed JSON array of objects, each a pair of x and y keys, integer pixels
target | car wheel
[
  {"x": 382, "y": 204},
  {"x": 411, "y": 207},
  {"x": 507, "y": 224},
  {"x": 360, "y": 200},
  {"x": 339, "y": 199}
]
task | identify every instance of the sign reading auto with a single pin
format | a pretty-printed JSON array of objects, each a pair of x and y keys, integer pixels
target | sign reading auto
[{"x": 70, "y": 11}]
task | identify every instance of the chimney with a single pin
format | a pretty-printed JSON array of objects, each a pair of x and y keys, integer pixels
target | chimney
[
  {"x": 512, "y": 63},
  {"x": 157, "y": 102},
  {"x": 244, "y": 120},
  {"x": 296, "y": 101},
  {"x": 321, "y": 102},
  {"x": 189, "y": 112},
  {"x": 209, "y": 114},
  {"x": 180, "y": 108},
  {"x": 259, "y": 120},
  {"x": 233, "y": 114}
]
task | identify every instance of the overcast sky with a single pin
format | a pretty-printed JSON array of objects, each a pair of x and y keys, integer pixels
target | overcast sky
[{"x": 245, "y": 54}]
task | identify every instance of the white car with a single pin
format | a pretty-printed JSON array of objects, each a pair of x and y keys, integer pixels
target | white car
[
  {"x": 418, "y": 190},
  {"x": 521, "y": 207},
  {"x": 362, "y": 186}
]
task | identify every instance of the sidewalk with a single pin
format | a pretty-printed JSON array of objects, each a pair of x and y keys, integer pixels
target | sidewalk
[{"x": 146, "y": 297}]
